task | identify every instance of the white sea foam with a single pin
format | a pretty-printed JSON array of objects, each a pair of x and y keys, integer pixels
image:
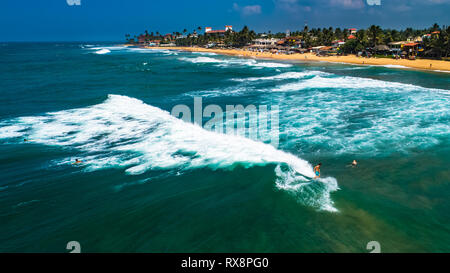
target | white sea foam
[
  {"x": 389, "y": 66},
  {"x": 126, "y": 133},
  {"x": 150, "y": 51},
  {"x": 394, "y": 66},
  {"x": 11, "y": 131},
  {"x": 362, "y": 116},
  {"x": 233, "y": 62},
  {"x": 126, "y": 49},
  {"x": 334, "y": 114},
  {"x": 205, "y": 53},
  {"x": 443, "y": 71},
  {"x": 348, "y": 82},
  {"x": 283, "y": 76},
  {"x": 102, "y": 51},
  {"x": 200, "y": 60},
  {"x": 107, "y": 47}
]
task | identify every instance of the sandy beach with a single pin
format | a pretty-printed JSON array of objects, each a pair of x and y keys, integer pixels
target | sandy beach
[{"x": 423, "y": 64}]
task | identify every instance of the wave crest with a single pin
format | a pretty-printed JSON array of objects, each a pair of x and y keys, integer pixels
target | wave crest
[{"x": 124, "y": 132}]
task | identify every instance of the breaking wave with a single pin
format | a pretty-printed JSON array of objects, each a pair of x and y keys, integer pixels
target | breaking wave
[
  {"x": 102, "y": 51},
  {"x": 348, "y": 82},
  {"x": 234, "y": 62},
  {"x": 283, "y": 76},
  {"x": 124, "y": 132}
]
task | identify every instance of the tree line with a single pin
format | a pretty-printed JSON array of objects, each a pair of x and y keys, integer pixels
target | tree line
[{"x": 436, "y": 45}]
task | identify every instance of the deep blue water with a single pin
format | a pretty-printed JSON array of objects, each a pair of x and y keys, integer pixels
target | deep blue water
[{"x": 149, "y": 182}]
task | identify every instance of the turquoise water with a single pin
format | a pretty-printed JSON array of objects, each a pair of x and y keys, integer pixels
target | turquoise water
[{"x": 152, "y": 183}]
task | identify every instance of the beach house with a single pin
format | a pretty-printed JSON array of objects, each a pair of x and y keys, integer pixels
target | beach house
[
  {"x": 265, "y": 43},
  {"x": 209, "y": 30}
]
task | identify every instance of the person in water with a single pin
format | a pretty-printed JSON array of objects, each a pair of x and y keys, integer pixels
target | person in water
[
  {"x": 353, "y": 164},
  {"x": 77, "y": 161},
  {"x": 317, "y": 170}
]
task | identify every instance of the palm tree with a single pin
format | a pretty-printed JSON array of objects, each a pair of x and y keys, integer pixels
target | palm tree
[
  {"x": 435, "y": 27},
  {"x": 374, "y": 32},
  {"x": 345, "y": 33}
]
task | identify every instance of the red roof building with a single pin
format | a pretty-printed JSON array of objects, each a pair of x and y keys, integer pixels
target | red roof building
[
  {"x": 351, "y": 37},
  {"x": 209, "y": 30},
  {"x": 216, "y": 31}
]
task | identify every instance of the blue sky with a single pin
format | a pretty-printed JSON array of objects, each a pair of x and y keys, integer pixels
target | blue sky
[{"x": 109, "y": 20}]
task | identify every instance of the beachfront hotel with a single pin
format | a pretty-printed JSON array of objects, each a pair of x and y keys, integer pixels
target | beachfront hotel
[{"x": 209, "y": 30}]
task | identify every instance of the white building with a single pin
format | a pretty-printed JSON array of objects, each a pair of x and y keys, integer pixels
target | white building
[
  {"x": 265, "y": 42},
  {"x": 210, "y": 30}
]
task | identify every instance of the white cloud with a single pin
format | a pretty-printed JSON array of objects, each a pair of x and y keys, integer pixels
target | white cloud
[
  {"x": 293, "y": 6},
  {"x": 348, "y": 4},
  {"x": 247, "y": 10}
]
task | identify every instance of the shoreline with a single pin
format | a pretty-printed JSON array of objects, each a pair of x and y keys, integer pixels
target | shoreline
[{"x": 420, "y": 64}]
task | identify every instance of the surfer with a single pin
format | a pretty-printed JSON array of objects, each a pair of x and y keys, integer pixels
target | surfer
[
  {"x": 353, "y": 164},
  {"x": 317, "y": 170},
  {"x": 77, "y": 161}
]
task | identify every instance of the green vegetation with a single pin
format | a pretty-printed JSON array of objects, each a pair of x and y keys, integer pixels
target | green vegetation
[
  {"x": 229, "y": 38},
  {"x": 434, "y": 40}
]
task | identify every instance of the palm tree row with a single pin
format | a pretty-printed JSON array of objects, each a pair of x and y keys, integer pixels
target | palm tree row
[{"x": 438, "y": 44}]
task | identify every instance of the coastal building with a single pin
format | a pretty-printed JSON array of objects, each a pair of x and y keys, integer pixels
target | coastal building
[
  {"x": 316, "y": 49},
  {"x": 396, "y": 47},
  {"x": 265, "y": 43},
  {"x": 293, "y": 41},
  {"x": 426, "y": 36},
  {"x": 209, "y": 30},
  {"x": 418, "y": 39},
  {"x": 352, "y": 30},
  {"x": 168, "y": 45},
  {"x": 337, "y": 43},
  {"x": 326, "y": 51},
  {"x": 411, "y": 49},
  {"x": 381, "y": 49},
  {"x": 351, "y": 36}
]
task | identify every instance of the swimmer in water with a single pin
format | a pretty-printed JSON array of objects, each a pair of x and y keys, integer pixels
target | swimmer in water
[
  {"x": 317, "y": 170},
  {"x": 77, "y": 161},
  {"x": 353, "y": 164}
]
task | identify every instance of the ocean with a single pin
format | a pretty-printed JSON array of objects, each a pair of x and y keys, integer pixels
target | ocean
[{"x": 153, "y": 182}]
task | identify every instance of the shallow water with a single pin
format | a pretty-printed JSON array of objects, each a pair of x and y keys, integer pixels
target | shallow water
[{"x": 152, "y": 183}]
